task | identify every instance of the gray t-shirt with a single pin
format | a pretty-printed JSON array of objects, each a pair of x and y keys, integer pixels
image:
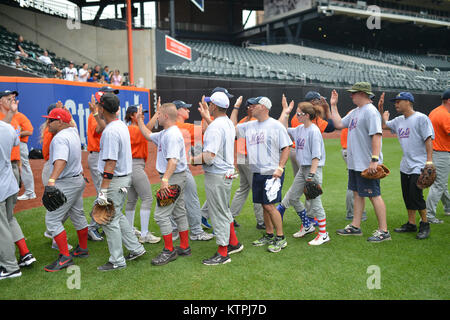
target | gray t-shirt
[
  {"x": 265, "y": 141},
  {"x": 170, "y": 145},
  {"x": 412, "y": 133},
  {"x": 9, "y": 139},
  {"x": 66, "y": 145},
  {"x": 115, "y": 145},
  {"x": 308, "y": 144},
  {"x": 219, "y": 139},
  {"x": 362, "y": 123}
]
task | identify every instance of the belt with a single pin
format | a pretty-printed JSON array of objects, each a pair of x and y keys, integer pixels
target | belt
[
  {"x": 93, "y": 151},
  {"x": 121, "y": 176},
  {"x": 441, "y": 151}
]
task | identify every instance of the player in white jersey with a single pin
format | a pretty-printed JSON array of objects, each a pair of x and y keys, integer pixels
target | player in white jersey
[
  {"x": 415, "y": 134},
  {"x": 363, "y": 152},
  {"x": 171, "y": 164},
  {"x": 66, "y": 175},
  {"x": 218, "y": 163}
]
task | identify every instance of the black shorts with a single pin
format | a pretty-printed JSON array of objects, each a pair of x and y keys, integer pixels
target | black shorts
[
  {"x": 258, "y": 189},
  {"x": 364, "y": 187},
  {"x": 412, "y": 195}
]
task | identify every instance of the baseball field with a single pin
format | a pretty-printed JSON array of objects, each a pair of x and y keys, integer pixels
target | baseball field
[{"x": 346, "y": 268}]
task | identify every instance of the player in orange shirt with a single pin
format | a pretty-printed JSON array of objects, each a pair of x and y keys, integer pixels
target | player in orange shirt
[
  {"x": 440, "y": 118},
  {"x": 8, "y": 108},
  {"x": 140, "y": 185},
  {"x": 26, "y": 175}
]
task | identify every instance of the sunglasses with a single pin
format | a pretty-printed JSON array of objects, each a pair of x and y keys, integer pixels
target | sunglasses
[
  {"x": 51, "y": 120},
  {"x": 301, "y": 114}
]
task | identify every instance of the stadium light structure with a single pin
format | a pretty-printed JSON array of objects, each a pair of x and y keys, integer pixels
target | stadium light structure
[{"x": 130, "y": 42}]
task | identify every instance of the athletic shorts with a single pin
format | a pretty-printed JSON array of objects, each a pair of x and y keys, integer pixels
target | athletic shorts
[
  {"x": 258, "y": 189},
  {"x": 364, "y": 187},
  {"x": 412, "y": 195}
]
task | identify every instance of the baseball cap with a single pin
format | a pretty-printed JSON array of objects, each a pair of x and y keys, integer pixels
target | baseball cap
[
  {"x": 51, "y": 107},
  {"x": 109, "y": 89},
  {"x": 365, "y": 87},
  {"x": 134, "y": 108},
  {"x": 404, "y": 96},
  {"x": 311, "y": 95},
  {"x": 260, "y": 100},
  {"x": 220, "y": 89},
  {"x": 60, "y": 114},
  {"x": 220, "y": 99},
  {"x": 181, "y": 104},
  {"x": 7, "y": 93},
  {"x": 98, "y": 95},
  {"x": 110, "y": 102},
  {"x": 446, "y": 94}
]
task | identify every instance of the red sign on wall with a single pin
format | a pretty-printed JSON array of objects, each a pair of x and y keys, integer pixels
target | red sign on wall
[{"x": 178, "y": 48}]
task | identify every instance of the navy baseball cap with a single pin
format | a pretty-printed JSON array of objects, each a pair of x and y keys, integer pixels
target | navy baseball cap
[
  {"x": 220, "y": 89},
  {"x": 51, "y": 107},
  {"x": 181, "y": 104},
  {"x": 404, "y": 96},
  {"x": 134, "y": 108},
  {"x": 7, "y": 93},
  {"x": 109, "y": 89},
  {"x": 311, "y": 95},
  {"x": 259, "y": 100},
  {"x": 446, "y": 94}
]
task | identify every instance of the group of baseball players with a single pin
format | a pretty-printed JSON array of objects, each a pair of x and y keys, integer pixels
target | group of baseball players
[{"x": 256, "y": 149}]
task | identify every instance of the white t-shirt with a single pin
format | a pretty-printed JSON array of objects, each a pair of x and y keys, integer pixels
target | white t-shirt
[
  {"x": 219, "y": 139},
  {"x": 9, "y": 139},
  {"x": 412, "y": 133},
  {"x": 362, "y": 123},
  {"x": 170, "y": 145},
  {"x": 45, "y": 59},
  {"x": 265, "y": 141},
  {"x": 308, "y": 144},
  {"x": 66, "y": 145},
  {"x": 70, "y": 73},
  {"x": 115, "y": 145},
  {"x": 83, "y": 75}
]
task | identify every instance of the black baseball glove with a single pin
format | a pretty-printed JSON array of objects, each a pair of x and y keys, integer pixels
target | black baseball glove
[
  {"x": 312, "y": 189},
  {"x": 53, "y": 198}
]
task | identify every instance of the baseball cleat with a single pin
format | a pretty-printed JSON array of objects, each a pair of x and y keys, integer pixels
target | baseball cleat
[
  {"x": 235, "y": 249},
  {"x": 183, "y": 252},
  {"x": 321, "y": 238},
  {"x": 61, "y": 263},
  {"x": 79, "y": 253},
  {"x": 26, "y": 260},
  {"x": 424, "y": 230},
  {"x": 6, "y": 275},
  {"x": 204, "y": 236},
  {"x": 205, "y": 223},
  {"x": 217, "y": 259},
  {"x": 304, "y": 231},
  {"x": 110, "y": 266},
  {"x": 132, "y": 256},
  {"x": 149, "y": 238},
  {"x": 27, "y": 197},
  {"x": 94, "y": 235},
  {"x": 165, "y": 257}
]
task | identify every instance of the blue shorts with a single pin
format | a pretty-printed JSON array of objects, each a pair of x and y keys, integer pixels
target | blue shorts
[
  {"x": 258, "y": 189},
  {"x": 364, "y": 187}
]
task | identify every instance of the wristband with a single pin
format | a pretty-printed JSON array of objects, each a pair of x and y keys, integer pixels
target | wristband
[
  {"x": 375, "y": 157},
  {"x": 107, "y": 175},
  {"x": 51, "y": 180},
  {"x": 95, "y": 114},
  {"x": 429, "y": 162},
  {"x": 281, "y": 169},
  {"x": 165, "y": 179},
  {"x": 237, "y": 108}
]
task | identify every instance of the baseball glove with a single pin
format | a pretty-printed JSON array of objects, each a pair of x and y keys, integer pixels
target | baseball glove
[
  {"x": 382, "y": 171},
  {"x": 167, "y": 200},
  {"x": 53, "y": 198},
  {"x": 312, "y": 190},
  {"x": 427, "y": 177},
  {"x": 103, "y": 215}
]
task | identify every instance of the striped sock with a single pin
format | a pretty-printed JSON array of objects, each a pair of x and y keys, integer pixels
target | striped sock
[
  {"x": 322, "y": 226},
  {"x": 304, "y": 217}
]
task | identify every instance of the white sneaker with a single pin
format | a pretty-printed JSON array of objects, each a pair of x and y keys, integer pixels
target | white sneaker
[
  {"x": 150, "y": 238},
  {"x": 47, "y": 235},
  {"x": 303, "y": 231},
  {"x": 175, "y": 236},
  {"x": 201, "y": 236},
  {"x": 55, "y": 246},
  {"x": 320, "y": 239},
  {"x": 27, "y": 197},
  {"x": 137, "y": 233}
]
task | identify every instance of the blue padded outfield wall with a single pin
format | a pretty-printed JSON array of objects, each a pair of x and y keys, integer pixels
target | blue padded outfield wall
[{"x": 36, "y": 94}]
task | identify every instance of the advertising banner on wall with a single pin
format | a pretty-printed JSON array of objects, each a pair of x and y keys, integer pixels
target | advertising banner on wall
[
  {"x": 36, "y": 94},
  {"x": 274, "y": 9}
]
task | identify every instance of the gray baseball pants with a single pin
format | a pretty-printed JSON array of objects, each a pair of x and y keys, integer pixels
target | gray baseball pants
[
  {"x": 439, "y": 189},
  {"x": 292, "y": 197},
  {"x": 218, "y": 193},
  {"x": 119, "y": 231},
  {"x": 7, "y": 248},
  {"x": 96, "y": 178},
  {"x": 16, "y": 230},
  {"x": 26, "y": 174},
  {"x": 176, "y": 210}
]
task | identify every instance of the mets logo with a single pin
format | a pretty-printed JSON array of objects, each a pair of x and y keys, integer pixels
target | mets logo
[
  {"x": 256, "y": 138},
  {"x": 300, "y": 143},
  {"x": 353, "y": 124},
  {"x": 403, "y": 133}
]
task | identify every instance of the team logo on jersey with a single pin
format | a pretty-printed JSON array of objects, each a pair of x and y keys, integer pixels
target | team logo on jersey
[
  {"x": 300, "y": 143},
  {"x": 403, "y": 133},
  {"x": 256, "y": 138},
  {"x": 353, "y": 124}
]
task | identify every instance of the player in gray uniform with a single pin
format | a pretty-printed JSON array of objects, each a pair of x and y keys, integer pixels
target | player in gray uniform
[
  {"x": 311, "y": 159},
  {"x": 115, "y": 164},
  {"x": 66, "y": 175},
  {"x": 9, "y": 267},
  {"x": 218, "y": 163},
  {"x": 171, "y": 164},
  {"x": 415, "y": 134},
  {"x": 364, "y": 143}
]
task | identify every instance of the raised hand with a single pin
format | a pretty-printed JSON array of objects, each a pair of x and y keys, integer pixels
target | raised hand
[
  {"x": 334, "y": 98},
  {"x": 92, "y": 105},
  {"x": 381, "y": 104},
  {"x": 238, "y": 102},
  {"x": 204, "y": 111},
  {"x": 386, "y": 116}
]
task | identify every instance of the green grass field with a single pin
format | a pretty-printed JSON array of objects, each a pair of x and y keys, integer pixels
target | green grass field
[{"x": 409, "y": 268}]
